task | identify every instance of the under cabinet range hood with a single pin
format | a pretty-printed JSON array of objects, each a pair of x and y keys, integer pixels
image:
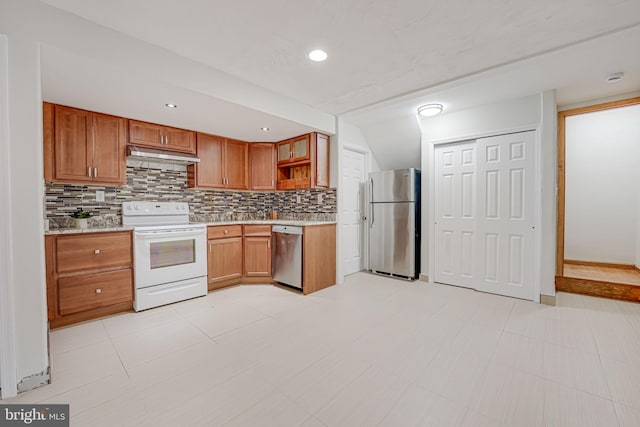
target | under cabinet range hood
[{"x": 160, "y": 156}]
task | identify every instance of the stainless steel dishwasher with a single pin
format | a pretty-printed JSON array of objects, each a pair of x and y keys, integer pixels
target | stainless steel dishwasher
[{"x": 287, "y": 265}]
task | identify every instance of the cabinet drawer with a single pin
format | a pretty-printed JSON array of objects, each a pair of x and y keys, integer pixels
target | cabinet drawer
[
  {"x": 80, "y": 293},
  {"x": 84, "y": 252},
  {"x": 223, "y": 231},
  {"x": 257, "y": 230}
]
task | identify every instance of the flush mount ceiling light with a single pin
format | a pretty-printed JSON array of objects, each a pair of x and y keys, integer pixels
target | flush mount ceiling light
[
  {"x": 264, "y": 129},
  {"x": 615, "y": 77},
  {"x": 169, "y": 105},
  {"x": 317, "y": 55},
  {"x": 429, "y": 110}
]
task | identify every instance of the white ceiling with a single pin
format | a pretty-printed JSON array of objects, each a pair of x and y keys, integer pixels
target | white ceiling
[{"x": 385, "y": 58}]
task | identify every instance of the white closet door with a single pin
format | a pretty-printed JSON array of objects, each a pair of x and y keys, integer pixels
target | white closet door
[
  {"x": 506, "y": 212},
  {"x": 455, "y": 214},
  {"x": 484, "y": 214}
]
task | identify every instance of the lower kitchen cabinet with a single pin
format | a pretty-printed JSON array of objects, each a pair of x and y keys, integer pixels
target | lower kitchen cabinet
[
  {"x": 224, "y": 261},
  {"x": 257, "y": 250},
  {"x": 89, "y": 275},
  {"x": 318, "y": 257}
]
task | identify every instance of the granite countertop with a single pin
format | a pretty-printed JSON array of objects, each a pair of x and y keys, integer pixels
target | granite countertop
[
  {"x": 128, "y": 227},
  {"x": 87, "y": 230},
  {"x": 271, "y": 222}
]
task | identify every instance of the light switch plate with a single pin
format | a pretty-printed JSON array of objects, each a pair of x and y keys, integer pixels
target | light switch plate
[
  {"x": 99, "y": 196},
  {"x": 320, "y": 198},
  {"x": 298, "y": 199}
]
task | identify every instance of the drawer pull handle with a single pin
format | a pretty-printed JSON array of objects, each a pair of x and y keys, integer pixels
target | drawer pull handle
[
  {"x": 226, "y": 231},
  {"x": 98, "y": 291},
  {"x": 97, "y": 251}
]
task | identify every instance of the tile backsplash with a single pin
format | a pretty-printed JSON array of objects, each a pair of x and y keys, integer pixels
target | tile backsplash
[{"x": 169, "y": 184}]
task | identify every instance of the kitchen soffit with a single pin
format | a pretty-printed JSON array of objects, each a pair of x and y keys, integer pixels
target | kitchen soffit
[{"x": 377, "y": 52}]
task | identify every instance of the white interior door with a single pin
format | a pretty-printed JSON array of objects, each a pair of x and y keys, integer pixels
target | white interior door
[
  {"x": 455, "y": 218},
  {"x": 485, "y": 214},
  {"x": 354, "y": 175},
  {"x": 506, "y": 207}
]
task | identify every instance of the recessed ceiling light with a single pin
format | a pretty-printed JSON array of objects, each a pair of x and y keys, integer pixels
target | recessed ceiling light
[
  {"x": 171, "y": 105},
  {"x": 318, "y": 55},
  {"x": 264, "y": 129},
  {"x": 429, "y": 110},
  {"x": 615, "y": 77}
]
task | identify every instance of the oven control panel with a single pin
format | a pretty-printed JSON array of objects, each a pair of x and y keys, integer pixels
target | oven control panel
[{"x": 154, "y": 208}]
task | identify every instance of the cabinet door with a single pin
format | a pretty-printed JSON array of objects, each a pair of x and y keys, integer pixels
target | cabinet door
[
  {"x": 237, "y": 159},
  {"x": 257, "y": 256},
  {"x": 77, "y": 252},
  {"x": 284, "y": 152},
  {"x": 146, "y": 134},
  {"x": 262, "y": 166},
  {"x": 88, "y": 291},
  {"x": 322, "y": 161},
  {"x": 109, "y": 140},
  {"x": 224, "y": 260},
  {"x": 210, "y": 170},
  {"x": 300, "y": 148},
  {"x": 72, "y": 144},
  {"x": 180, "y": 140}
]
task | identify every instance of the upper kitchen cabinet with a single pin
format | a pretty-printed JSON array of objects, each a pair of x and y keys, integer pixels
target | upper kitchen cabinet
[
  {"x": 308, "y": 163},
  {"x": 262, "y": 166},
  {"x": 223, "y": 163},
  {"x": 321, "y": 160},
  {"x": 83, "y": 147},
  {"x": 294, "y": 149},
  {"x": 163, "y": 137}
]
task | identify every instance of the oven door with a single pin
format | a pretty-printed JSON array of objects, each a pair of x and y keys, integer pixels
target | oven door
[{"x": 165, "y": 256}]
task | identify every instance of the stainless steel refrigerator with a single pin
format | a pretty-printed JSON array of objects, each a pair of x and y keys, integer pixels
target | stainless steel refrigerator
[{"x": 394, "y": 223}]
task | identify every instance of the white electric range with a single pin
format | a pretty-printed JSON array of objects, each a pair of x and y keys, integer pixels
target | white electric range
[{"x": 170, "y": 254}]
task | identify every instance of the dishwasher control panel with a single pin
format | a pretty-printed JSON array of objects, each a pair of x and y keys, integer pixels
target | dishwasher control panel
[{"x": 287, "y": 229}]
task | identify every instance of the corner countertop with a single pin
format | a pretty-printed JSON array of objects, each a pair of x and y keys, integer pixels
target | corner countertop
[{"x": 55, "y": 231}]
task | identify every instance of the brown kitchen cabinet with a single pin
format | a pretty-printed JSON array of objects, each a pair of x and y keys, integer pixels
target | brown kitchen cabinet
[
  {"x": 262, "y": 166},
  {"x": 257, "y": 250},
  {"x": 83, "y": 147},
  {"x": 294, "y": 149},
  {"x": 225, "y": 257},
  {"x": 304, "y": 169},
  {"x": 89, "y": 275},
  {"x": 223, "y": 163},
  {"x": 162, "y": 137},
  {"x": 318, "y": 257}
]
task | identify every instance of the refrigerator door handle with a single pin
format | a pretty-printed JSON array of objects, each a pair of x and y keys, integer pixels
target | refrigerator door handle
[{"x": 371, "y": 205}]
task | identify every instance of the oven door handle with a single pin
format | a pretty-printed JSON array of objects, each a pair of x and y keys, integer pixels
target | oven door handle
[{"x": 176, "y": 233}]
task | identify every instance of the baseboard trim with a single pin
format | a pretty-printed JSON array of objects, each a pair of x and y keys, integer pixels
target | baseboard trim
[
  {"x": 547, "y": 299},
  {"x": 34, "y": 381},
  {"x": 597, "y": 288},
  {"x": 601, "y": 264}
]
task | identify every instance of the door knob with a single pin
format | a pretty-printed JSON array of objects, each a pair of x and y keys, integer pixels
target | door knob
[{"x": 364, "y": 218}]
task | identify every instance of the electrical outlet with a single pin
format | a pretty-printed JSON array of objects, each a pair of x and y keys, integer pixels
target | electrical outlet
[
  {"x": 99, "y": 196},
  {"x": 298, "y": 199},
  {"x": 320, "y": 198}
]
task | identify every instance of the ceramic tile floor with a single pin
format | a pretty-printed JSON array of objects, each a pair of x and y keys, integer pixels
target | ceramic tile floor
[{"x": 373, "y": 351}]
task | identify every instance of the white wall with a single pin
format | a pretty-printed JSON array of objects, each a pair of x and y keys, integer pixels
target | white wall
[
  {"x": 531, "y": 112},
  {"x": 26, "y": 243},
  {"x": 602, "y": 185}
]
